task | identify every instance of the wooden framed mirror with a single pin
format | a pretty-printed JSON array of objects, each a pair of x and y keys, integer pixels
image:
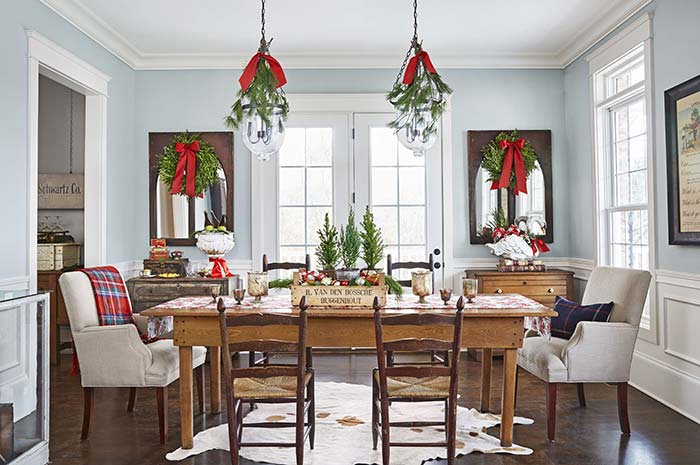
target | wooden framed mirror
[
  {"x": 535, "y": 208},
  {"x": 176, "y": 217}
]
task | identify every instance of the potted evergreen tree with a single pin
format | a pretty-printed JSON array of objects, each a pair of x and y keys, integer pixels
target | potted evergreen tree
[
  {"x": 328, "y": 249},
  {"x": 350, "y": 244},
  {"x": 372, "y": 242}
]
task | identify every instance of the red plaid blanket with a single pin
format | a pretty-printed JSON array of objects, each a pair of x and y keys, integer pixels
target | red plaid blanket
[{"x": 111, "y": 299}]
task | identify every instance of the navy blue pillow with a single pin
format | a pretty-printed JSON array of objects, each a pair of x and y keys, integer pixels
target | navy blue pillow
[{"x": 570, "y": 313}]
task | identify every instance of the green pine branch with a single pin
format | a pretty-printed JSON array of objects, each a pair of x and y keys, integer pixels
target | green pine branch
[
  {"x": 372, "y": 242},
  {"x": 350, "y": 242}
]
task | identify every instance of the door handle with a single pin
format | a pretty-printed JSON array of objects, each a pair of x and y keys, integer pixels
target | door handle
[
  {"x": 437, "y": 265},
  {"x": 436, "y": 252}
]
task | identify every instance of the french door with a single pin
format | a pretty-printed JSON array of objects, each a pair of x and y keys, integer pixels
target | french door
[
  {"x": 331, "y": 161},
  {"x": 403, "y": 191}
]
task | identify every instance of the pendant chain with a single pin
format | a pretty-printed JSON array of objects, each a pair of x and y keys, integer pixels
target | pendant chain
[
  {"x": 415, "y": 45},
  {"x": 264, "y": 44}
]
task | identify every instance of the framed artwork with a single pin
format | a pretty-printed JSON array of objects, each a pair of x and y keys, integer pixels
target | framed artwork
[{"x": 683, "y": 162}]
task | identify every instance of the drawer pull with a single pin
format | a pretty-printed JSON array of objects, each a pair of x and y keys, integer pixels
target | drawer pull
[
  {"x": 524, "y": 283},
  {"x": 499, "y": 291},
  {"x": 550, "y": 290}
]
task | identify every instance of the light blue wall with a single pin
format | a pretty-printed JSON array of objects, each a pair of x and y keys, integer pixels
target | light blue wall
[
  {"x": 483, "y": 99},
  {"x": 17, "y": 16},
  {"x": 675, "y": 55}
]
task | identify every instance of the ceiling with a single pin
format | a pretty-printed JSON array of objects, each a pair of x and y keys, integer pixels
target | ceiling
[{"x": 176, "y": 34}]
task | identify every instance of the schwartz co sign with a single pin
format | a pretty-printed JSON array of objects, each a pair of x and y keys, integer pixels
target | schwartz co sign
[{"x": 61, "y": 191}]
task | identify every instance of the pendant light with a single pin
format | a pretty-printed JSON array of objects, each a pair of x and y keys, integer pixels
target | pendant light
[
  {"x": 419, "y": 97},
  {"x": 261, "y": 109}
]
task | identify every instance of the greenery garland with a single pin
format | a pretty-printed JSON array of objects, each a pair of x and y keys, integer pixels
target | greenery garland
[
  {"x": 262, "y": 95},
  {"x": 411, "y": 100},
  {"x": 492, "y": 161},
  {"x": 208, "y": 165}
]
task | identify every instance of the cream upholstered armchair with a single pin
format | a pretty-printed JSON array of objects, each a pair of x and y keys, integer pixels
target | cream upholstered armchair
[
  {"x": 115, "y": 356},
  {"x": 598, "y": 352}
]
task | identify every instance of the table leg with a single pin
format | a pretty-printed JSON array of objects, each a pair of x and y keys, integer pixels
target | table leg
[
  {"x": 510, "y": 357},
  {"x": 486, "y": 361},
  {"x": 186, "y": 408},
  {"x": 215, "y": 378}
]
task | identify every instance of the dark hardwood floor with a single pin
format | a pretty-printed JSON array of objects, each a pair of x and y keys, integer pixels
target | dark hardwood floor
[{"x": 585, "y": 436}]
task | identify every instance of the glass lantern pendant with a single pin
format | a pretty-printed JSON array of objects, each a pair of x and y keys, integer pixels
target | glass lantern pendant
[
  {"x": 419, "y": 97},
  {"x": 262, "y": 138}
]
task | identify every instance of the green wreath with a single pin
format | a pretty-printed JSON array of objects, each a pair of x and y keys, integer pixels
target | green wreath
[
  {"x": 492, "y": 161},
  {"x": 207, "y": 173}
]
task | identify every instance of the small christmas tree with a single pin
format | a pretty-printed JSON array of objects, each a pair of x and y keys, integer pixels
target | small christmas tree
[
  {"x": 372, "y": 242},
  {"x": 350, "y": 242},
  {"x": 328, "y": 249}
]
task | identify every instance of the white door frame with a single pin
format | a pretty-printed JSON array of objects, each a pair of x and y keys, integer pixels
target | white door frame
[{"x": 46, "y": 58}]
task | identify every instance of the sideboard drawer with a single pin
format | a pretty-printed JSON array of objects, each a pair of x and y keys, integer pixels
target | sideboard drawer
[
  {"x": 525, "y": 287},
  {"x": 543, "y": 286}
]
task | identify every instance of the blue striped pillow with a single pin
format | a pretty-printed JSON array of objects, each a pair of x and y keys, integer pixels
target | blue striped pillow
[{"x": 570, "y": 313}]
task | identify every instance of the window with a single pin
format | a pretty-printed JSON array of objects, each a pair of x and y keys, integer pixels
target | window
[{"x": 622, "y": 96}]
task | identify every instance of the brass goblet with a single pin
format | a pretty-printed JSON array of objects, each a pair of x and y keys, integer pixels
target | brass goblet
[
  {"x": 215, "y": 291},
  {"x": 422, "y": 284},
  {"x": 470, "y": 288},
  {"x": 446, "y": 295},
  {"x": 238, "y": 294}
]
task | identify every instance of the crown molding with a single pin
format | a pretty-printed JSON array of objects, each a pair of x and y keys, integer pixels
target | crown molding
[
  {"x": 80, "y": 16},
  {"x": 599, "y": 29}
]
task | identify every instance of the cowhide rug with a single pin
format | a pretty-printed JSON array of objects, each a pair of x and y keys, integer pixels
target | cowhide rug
[{"x": 344, "y": 434}]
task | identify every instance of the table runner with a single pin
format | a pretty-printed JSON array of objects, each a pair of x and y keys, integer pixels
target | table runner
[{"x": 280, "y": 300}]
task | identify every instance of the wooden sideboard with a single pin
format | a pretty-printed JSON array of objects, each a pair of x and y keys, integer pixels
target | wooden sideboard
[
  {"x": 148, "y": 292},
  {"x": 542, "y": 286},
  {"x": 48, "y": 281}
]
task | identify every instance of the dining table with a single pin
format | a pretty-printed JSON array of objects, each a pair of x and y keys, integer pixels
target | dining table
[{"x": 490, "y": 322}]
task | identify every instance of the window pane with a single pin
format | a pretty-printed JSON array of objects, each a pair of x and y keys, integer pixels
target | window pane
[
  {"x": 387, "y": 219},
  {"x": 638, "y": 187},
  {"x": 384, "y": 186},
  {"x": 638, "y": 153},
  {"x": 292, "y": 254},
  {"x": 619, "y": 228},
  {"x": 412, "y": 253},
  {"x": 291, "y": 225},
  {"x": 622, "y": 82},
  {"x": 291, "y": 186},
  {"x": 383, "y": 146},
  {"x": 412, "y": 225},
  {"x": 637, "y": 74},
  {"x": 622, "y": 184},
  {"x": 406, "y": 157},
  {"x": 622, "y": 160},
  {"x": 314, "y": 221},
  {"x": 293, "y": 151},
  {"x": 319, "y": 188},
  {"x": 319, "y": 146},
  {"x": 412, "y": 185},
  {"x": 637, "y": 121},
  {"x": 620, "y": 121}
]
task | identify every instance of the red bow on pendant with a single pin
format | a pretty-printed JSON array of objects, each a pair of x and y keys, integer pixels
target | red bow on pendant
[
  {"x": 186, "y": 166},
  {"x": 251, "y": 70},
  {"x": 538, "y": 245},
  {"x": 220, "y": 268},
  {"x": 412, "y": 66},
  {"x": 514, "y": 156}
]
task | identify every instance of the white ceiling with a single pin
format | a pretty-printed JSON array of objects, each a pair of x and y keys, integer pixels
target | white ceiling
[{"x": 167, "y": 34}]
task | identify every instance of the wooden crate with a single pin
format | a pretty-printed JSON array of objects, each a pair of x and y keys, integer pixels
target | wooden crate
[
  {"x": 339, "y": 296},
  {"x": 52, "y": 257}
]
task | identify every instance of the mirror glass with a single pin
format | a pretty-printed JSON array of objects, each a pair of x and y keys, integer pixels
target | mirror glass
[
  {"x": 530, "y": 208},
  {"x": 173, "y": 211},
  {"x": 486, "y": 200},
  {"x": 213, "y": 201}
]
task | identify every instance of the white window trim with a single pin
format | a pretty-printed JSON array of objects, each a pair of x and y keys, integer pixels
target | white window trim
[
  {"x": 349, "y": 104},
  {"x": 640, "y": 32}
]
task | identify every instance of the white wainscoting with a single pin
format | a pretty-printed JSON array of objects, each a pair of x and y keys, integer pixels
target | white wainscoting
[{"x": 14, "y": 283}]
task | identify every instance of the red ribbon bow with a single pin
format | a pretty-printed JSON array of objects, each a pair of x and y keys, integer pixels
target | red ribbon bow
[
  {"x": 220, "y": 268},
  {"x": 514, "y": 156},
  {"x": 251, "y": 70},
  {"x": 186, "y": 166},
  {"x": 412, "y": 66},
  {"x": 538, "y": 245}
]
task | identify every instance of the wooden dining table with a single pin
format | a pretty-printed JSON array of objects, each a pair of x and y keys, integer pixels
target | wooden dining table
[{"x": 490, "y": 322}]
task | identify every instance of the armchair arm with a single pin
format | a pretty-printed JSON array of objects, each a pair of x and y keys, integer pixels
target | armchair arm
[
  {"x": 112, "y": 356},
  {"x": 600, "y": 352}
]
